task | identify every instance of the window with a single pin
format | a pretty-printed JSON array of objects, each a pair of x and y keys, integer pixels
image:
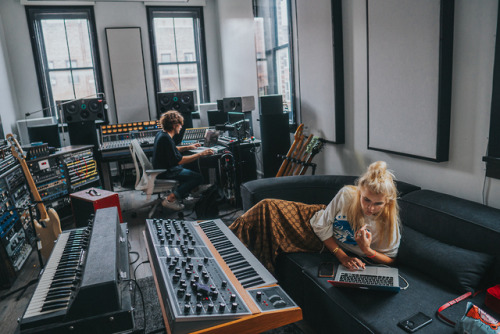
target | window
[
  {"x": 273, "y": 50},
  {"x": 66, "y": 56},
  {"x": 178, "y": 50}
]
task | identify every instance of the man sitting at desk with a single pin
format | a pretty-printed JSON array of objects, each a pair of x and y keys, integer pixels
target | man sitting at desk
[{"x": 167, "y": 156}]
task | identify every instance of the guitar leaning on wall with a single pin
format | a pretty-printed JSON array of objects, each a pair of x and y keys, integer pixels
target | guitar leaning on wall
[{"x": 48, "y": 227}]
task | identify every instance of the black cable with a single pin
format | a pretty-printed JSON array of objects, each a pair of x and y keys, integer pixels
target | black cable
[
  {"x": 137, "y": 259},
  {"x": 23, "y": 289},
  {"x": 135, "y": 270},
  {"x": 142, "y": 300}
]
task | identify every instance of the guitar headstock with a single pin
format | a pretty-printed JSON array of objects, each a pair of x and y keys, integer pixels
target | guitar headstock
[
  {"x": 16, "y": 149},
  {"x": 298, "y": 132},
  {"x": 315, "y": 145}
]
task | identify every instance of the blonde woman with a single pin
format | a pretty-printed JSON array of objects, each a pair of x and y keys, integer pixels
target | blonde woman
[{"x": 360, "y": 221}]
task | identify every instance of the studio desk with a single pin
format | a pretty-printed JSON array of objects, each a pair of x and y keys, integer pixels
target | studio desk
[
  {"x": 209, "y": 282},
  {"x": 240, "y": 159}
]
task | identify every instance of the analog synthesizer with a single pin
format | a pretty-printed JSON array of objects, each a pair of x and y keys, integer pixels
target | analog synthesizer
[{"x": 208, "y": 281}]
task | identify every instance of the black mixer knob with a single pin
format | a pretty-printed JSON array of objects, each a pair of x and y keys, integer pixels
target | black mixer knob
[
  {"x": 191, "y": 250},
  {"x": 215, "y": 294},
  {"x": 171, "y": 266},
  {"x": 188, "y": 296},
  {"x": 205, "y": 277},
  {"x": 188, "y": 259},
  {"x": 180, "y": 292},
  {"x": 199, "y": 296},
  {"x": 176, "y": 278},
  {"x": 205, "y": 259},
  {"x": 232, "y": 298},
  {"x": 187, "y": 308},
  {"x": 199, "y": 307},
  {"x": 183, "y": 263},
  {"x": 200, "y": 266},
  {"x": 224, "y": 284}
]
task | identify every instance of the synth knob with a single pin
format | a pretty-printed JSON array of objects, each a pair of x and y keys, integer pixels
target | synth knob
[
  {"x": 199, "y": 307},
  {"x": 199, "y": 296},
  {"x": 234, "y": 307},
  {"x": 196, "y": 278},
  {"x": 183, "y": 263},
  {"x": 180, "y": 292},
  {"x": 210, "y": 307},
  {"x": 232, "y": 298},
  {"x": 188, "y": 259},
  {"x": 224, "y": 284},
  {"x": 191, "y": 250},
  {"x": 187, "y": 296},
  {"x": 205, "y": 259},
  {"x": 259, "y": 295},
  {"x": 200, "y": 266},
  {"x": 187, "y": 308},
  {"x": 215, "y": 294},
  {"x": 176, "y": 278},
  {"x": 222, "y": 307}
]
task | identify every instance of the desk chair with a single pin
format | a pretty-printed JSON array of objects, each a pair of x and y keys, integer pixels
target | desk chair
[{"x": 146, "y": 177}]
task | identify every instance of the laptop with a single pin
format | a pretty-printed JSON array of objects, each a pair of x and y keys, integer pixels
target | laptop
[
  {"x": 372, "y": 277},
  {"x": 210, "y": 142}
]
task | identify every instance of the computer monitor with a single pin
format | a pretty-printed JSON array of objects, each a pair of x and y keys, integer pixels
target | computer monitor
[
  {"x": 234, "y": 116},
  {"x": 216, "y": 117},
  {"x": 45, "y": 133}
]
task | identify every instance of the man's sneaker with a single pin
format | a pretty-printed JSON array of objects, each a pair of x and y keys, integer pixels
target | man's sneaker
[
  {"x": 201, "y": 189},
  {"x": 175, "y": 205}
]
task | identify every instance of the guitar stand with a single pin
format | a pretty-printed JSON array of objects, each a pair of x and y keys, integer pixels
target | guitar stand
[{"x": 300, "y": 162}]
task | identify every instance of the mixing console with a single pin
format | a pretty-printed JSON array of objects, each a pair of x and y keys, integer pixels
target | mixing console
[
  {"x": 198, "y": 289},
  {"x": 81, "y": 169},
  {"x": 118, "y": 136}
]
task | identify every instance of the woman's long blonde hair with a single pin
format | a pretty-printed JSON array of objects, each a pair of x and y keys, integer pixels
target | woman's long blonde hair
[{"x": 379, "y": 180}]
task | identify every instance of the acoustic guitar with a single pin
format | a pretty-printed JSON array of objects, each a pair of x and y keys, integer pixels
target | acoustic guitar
[{"x": 48, "y": 227}]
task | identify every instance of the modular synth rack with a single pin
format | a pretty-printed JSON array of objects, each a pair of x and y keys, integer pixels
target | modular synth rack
[
  {"x": 16, "y": 234},
  {"x": 208, "y": 278}
]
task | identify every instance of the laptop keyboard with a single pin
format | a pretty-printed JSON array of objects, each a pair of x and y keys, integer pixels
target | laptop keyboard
[{"x": 366, "y": 279}]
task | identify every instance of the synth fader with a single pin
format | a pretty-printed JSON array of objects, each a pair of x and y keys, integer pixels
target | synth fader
[{"x": 198, "y": 290}]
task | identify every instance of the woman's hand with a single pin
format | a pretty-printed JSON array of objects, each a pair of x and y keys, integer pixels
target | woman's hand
[
  {"x": 363, "y": 238},
  {"x": 351, "y": 263},
  {"x": 193, "y": 146}
]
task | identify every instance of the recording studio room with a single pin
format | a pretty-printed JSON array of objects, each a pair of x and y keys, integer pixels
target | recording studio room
[{"x": 133, "y": 133}]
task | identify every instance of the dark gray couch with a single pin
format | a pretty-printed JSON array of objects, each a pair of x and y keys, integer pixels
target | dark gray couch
[{"x": 449, "y": 246}]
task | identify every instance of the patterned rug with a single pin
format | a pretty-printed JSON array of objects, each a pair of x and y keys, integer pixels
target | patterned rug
[{"x": 154, "y": 318}]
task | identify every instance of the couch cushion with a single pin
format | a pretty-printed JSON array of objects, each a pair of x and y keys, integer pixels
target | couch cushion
[
  {"x": 458, "y": 268},
  {"x": 454, "y": 221},
  {"x": 346, "y": 310}
]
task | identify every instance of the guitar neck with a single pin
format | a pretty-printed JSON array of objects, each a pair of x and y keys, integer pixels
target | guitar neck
[{"x": 19, "y": 154}]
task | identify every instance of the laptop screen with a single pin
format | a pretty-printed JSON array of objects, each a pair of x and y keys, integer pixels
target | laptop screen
[{"x": 211, "y": 138}]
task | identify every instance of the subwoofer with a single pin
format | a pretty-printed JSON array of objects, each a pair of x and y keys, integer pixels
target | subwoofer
[
  {"x": 184, "y": 102},
  {"x": 83, "y": 110}
]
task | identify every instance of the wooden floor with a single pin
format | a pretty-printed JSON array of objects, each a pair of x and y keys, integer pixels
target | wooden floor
[{"x": 14, "y": 301}]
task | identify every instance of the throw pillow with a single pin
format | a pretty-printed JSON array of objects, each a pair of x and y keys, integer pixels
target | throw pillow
[{"x": 458, "y": 268}]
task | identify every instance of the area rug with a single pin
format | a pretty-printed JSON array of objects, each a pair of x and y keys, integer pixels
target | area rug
[{"x": 154, "y": 319}]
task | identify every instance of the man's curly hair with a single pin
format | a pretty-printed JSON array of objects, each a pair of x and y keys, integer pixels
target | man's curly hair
[{"x": 169, "y": 119}]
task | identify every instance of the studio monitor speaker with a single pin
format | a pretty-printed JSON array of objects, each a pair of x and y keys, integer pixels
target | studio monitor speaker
[
  {"x": 83, "y": 110},
  {"x": 271, "y": 104},
  {"x": 83, "y": 133},
  {"x": 275, "y": 137},
  {"x": 184, "y": 102},
  {"x": 238, "y": 104}
]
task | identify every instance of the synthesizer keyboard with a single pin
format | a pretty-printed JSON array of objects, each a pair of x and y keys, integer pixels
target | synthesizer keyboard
[
  {"x": 207, "y": 279},
  {"x": 80, "y": 290}
]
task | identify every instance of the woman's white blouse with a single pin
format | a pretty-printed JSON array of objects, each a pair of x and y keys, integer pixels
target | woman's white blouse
[{"x": 333, "y": 221}]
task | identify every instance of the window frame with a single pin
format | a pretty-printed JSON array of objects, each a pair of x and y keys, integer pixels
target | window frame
[
  {"x": 38, "y": 48},
  {"x": 200, "y": 46},
  {"x": 272, "y": 52}
]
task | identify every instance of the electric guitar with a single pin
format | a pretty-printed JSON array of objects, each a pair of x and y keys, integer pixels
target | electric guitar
[
  {"x": 313, "y": 148},
  {"x": 48, "y": 227},
  {"x": 297, "y": 138}
]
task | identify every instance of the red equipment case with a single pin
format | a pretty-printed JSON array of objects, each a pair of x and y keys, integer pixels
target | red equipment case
[{"x": 86, "y": 202}]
